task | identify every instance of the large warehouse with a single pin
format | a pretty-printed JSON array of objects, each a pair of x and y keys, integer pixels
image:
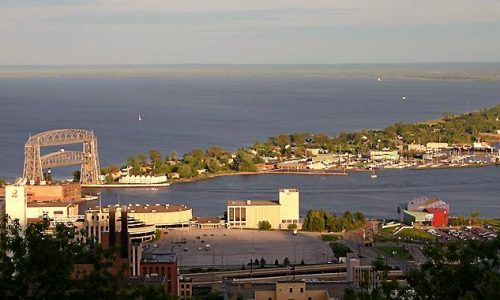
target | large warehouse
[
  {"x": 424, "y": 211},
  {"x": 280, "y": 214}
]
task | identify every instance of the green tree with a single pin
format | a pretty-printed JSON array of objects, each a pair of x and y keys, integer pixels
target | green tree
[
  {"x": 155, "y": 157},
  {"x": 172, "y": 156},
  {"x": 474, "y": 217},
  {"x": 286, "y": 262},
  {"x": 347, "y": 220},
  {"x": 141, "y": 159},
  {"x": 35, "y": 264},
  {"x": 292, "y": 227},
  {"x": 262, "y": 262},
  {"x": 184, "y": 171},
  {"x": 76, "y": 176}
]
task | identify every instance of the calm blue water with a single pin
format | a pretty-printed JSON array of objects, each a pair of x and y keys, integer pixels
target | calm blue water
[
  {"x": 180, "y": 113},
  {"x": 471, "y": 189}
]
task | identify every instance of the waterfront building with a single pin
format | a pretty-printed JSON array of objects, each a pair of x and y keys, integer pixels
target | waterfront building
[
  {"x": 292, "y": 166},
  {"x": 384, "y": 155},
  {"x": 424, "y": 211},
  {"x": 65, "y": 192},
  {"x": 207, "y": 222},
  {"x": 482, "y": 146},
  {"x": 280, "y": 214},
  {"x": 143, "y": 179},
  {"x": 416, "y": 148},
  {"x": 436, "y": 146}
]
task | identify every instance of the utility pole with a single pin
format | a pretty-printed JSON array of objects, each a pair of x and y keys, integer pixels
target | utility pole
[{"x": 251, "y": 268}]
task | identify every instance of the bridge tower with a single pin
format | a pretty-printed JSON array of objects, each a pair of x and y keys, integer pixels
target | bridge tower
[{"x": 88, "y": 158}]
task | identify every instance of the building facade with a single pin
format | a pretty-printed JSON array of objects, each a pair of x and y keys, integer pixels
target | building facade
[
  {"x": 64, "y": 192},
  {"x": 384, "y": 155},
  {"x": 280, "y": 214},
  {"x": 161, "y": 264},
  {"x": 428, "y": 211}
]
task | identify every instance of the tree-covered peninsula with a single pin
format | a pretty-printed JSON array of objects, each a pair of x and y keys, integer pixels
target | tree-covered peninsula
[{"x": 452, "y": 129}]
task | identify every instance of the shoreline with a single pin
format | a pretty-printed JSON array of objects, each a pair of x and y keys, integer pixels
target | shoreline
[{"x": 227, "y": 174}]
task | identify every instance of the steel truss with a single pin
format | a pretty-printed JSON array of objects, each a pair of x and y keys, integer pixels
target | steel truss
[{"x": 34, "y": 162}]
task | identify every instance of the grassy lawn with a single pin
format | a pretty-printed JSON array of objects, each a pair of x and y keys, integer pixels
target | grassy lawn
[
  {"x": 329, "y": 237},
  {"x": 388, "y": 230},
  {"x": 397, "y": 251},
  {"x": 416, "y": 234},
  {"x": 339, "y": 249},
  {"x": 493, "y": 222}
]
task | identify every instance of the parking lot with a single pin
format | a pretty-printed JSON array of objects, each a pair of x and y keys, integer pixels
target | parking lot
[
  {"x": 233, "y": 247},
  {"x": 464, "y": 233}
]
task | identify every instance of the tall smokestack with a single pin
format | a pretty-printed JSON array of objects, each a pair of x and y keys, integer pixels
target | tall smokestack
[
  {"x": 124, "y": 233},
  {"x": 112, "y": 226}
]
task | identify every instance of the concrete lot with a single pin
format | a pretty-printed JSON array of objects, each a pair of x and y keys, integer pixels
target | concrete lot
[{"x": 233, "y": 247}]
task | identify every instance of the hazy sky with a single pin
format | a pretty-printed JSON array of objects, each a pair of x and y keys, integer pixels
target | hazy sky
[{"x": 253, "y": 31}]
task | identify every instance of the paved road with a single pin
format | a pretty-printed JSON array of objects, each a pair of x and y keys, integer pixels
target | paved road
[
  {"x": 355, "y": 244},
  {"x": 299, "y": 270}
]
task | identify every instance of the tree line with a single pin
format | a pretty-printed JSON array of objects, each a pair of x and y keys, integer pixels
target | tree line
[
  {"x": 450, "y": 129},
  {"x": 321, "y": 220},
  {"x": 458, "y": 270},
  {"x": 38, "y": 265}
]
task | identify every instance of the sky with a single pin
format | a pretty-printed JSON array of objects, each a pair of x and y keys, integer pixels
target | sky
[{"x": 70, "y": 32}]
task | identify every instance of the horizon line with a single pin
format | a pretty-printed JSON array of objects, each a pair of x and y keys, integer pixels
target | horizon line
[{"x": 253, "y": 64}]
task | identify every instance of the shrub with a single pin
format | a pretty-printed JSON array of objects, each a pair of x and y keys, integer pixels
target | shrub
[{"x": 264, "y": 225}]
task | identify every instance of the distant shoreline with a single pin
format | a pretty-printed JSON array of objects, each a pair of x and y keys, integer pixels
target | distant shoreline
[{"x": 418, "y": 71}]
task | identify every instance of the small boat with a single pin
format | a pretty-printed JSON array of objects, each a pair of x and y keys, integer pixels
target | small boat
[
  {"x": 140, "y": 119},
  {"x": 379, "y": 79},
  {"x": 373, "y": 175},
  {"x": 154, "y": 189},
  {"x": 404, "y": 97}
]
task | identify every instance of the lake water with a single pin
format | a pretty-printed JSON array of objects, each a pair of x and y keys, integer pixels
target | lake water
[
  {"x": 466, "y": 190},
  {"x": 181, "y": 113}
]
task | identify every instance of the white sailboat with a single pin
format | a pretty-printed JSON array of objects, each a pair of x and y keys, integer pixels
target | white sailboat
[
  {"x": 140, "y": 119},
  {"x": 373, "y": 175},
  {"x": 379, "y": 79},
  {"x": 404, "y": 97}
]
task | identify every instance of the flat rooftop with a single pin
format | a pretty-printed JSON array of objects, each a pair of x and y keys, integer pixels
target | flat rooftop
[
  {"x": 251, "y": 203},
  {"x": 204, "y": 220},
  {"x": 147, "y": 208},
  {"x": 160, "y": 257},
  {"x": 50, "y": 204},
  {"x": 424, "y": 201}
]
